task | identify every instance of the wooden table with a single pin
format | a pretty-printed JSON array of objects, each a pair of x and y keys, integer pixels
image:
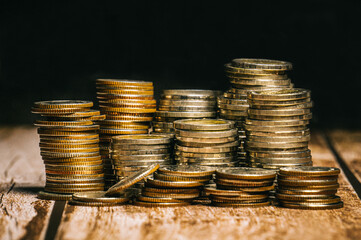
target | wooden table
[{"x": 23, "y": 216}]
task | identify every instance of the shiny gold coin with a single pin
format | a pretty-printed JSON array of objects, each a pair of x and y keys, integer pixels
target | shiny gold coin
[
  {"x": 100, "y": 196},
  {"x": 74, "y": 163},
  {"x": 178, "y": 114},
  {"x": 151, "y": 204},
  {"x": 56, "y": 111},
  {"x": 96, "y": 204},
  {"x": 246, "y": 173},
  {"x": 172, "y": 190},
  {"x": 54, "y": 196},
  {"x": 232, "y": 69},
  {"x": 73, "y": 159},
  {"x": 131, "y": 180},
  {"x": 76, "y": 129},
  {"x": 68, "y": 150},
  {"x": 165, "y": 177},
  {"x": 233, "y": 193},
  {"x": 74, "y": 168},
  {"x": 80, "y": 172},
  {"x": 60, "y": 133},
  {"x": 74, "y": 181},
  {"x": 52, "y": 141},
  {"x": 264, "y": 64},
  {"x": 159, "y": 199},
  {"x": 51, "y": 146},
  {"x": 310, "y": 171},
  {"x": 74, "y": 176},
  {"x": 72, "y": 190},
  {"x": 123, "y": 82},
  {"x": 213, "y": 149},
  {"x": 53, "y": 155},
  {"x": 247, "y": 189},
  {"x": 204, "y": 124},
  {"x": 122, "y": 131},
  {"x": 83, "y": 113},
  {"x": 144, "y": 139},
  {"x": 170, "y": 184},
  {"x": 42, "y": 123},
  {"x": 128, "y": 110},
  {"x": 63, "y": 104},
  {"x": 74, "y": 185},
  {"x": 242, "y": 183},
  {"x": 306, "y": 191},
  {"x": 280, "y": 95},
  {"x": 312, "y": 206}
]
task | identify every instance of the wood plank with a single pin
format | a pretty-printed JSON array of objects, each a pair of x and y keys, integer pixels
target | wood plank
[
  {"x": 22, "y": 215},
  {"x": 205, "y": 222},
  {"x": 348, "y": 145}
]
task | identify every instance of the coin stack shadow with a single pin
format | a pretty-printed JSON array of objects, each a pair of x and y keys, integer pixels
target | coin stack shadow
[
  {"x": 249, "y": 75},
  {"x": 129, "y": 106},
  {"x": 181, "y": 104},
  {"x": 69, "y": 146},
  {"x": 174, "y": 186},
  {"x": 131, "y": 153},
  {"x": 308, "y": 188},
  {"x": 276, "y": 128},
  {"x": 207, "y": 142},
  {"x": 242, "y": 187}
]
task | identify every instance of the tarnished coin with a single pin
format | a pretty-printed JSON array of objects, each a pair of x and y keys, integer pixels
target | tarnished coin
[
  {"x": 280, "y": 95},
  {"x": 246, "y": 173},
  {"x": 264, "y": 64},
  {"x": 192, "y": 171},
  {"x": 204, "y": 124},
  {"x": 131, "y": 180}
]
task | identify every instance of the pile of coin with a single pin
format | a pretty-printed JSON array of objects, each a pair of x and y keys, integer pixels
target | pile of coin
[
  {"x": 174, "y": 186},
  {"x": 131, "y": 153},
  {"x": 184, "y": 103},
  {"x": 241, "y": 187},
  {"x": 129, "y": 107},
  {"x": 208, "y": 142},
  {"x": 277, "y": 132},
  {"x": 248, "y": 75},
  {"x": 308, "y": 188},
  {"x": 69, "y": 146}
]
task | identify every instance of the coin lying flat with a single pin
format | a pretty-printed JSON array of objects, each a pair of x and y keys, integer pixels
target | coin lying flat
[
  {"x": 160, "y": 204},
  {"x": 100, "y": 197},
  {"x": 54, "y": 196},
  {"x": 265, "y": 64},
  {"x": 246, "y": 173},
  {"x": 203, "y": 124},
  {"x": 192, "y": 171},
  {"x": 311, "y": 171}
]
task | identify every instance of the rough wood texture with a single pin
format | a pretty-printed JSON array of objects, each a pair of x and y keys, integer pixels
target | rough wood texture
[
  {"x": 348, "y": 145},
  {"x": 204, "y": 222},
  {"x": 22, "y": 215}
]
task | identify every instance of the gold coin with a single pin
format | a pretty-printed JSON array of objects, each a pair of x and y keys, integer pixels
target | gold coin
[
  {"x": 42, "y": 123},
  {"x": 169, "y": 184},
  {"x": 312, "y": 206},
  {"x": 66, "y": 146},
  {"x": 50, "y": 141},
  {"x": 232, "y": 193},
  {"x": 178, "y": 114},
  {"x": 159, "y": 199},
  {"x": 74, "y": 163},
  {"x": 96, "y": 204},
  {"x": 189, "y": 171},
  {"x": 165, "y": 177},
  {"x": 144, "y": 139},
  {"x": 127, "y": 110},
  {"x": 151, "y": 204},
  {"x": 73, "y": 185},
  {"x": 99, "y": 196},
  {"x": 264, "y": 64},
  {"x": 204, "y": 124},
  {"x": 63, "y": 104},
  {"x": 73, "y": 128},
  {"x": 73, "y": 159},
  {"x": 72, "y": 190},
  {"x": 310, "y": 171},
  {"x": 74, "y": 181},
  {"x": 97, "y": 118},
  {"x": 74, "y": 176},
  {"x": 246, "y": 189},
  {"x": 281, "y": 95},
  {"x": 131, "y": 180},
  {"x": 124, "y": 82},
  {"x": 187, "y": 103},
  {"x": 56, "y": 111},
  {"x": 260, "y": 204},
  {"x": 253, "y": 71},
  {"x": 123, "y": 131},
  {"x": 246, "y": 173},
  {"x": 242, "y": 183},
  {"x": 54, "y": 196},
  {"x": 307, "y": 191},
  {"x": 55, "y": 150},
  {"x": 172, "y": 190},
  {"x": 116, "y": 102}
]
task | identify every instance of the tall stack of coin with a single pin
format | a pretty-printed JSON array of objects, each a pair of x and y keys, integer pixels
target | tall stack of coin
[
  {"x": 174, "y": 186},
  {"x": 308, "y": 188},
  {"x": 246, "y": 75},
  {"x": 131, "y": 153},
  {"x": 277, "y": 132},
  {"x": 129, "y": 107},
  {"x": 242, "y": 187},
  {"x": 184, "y": 103},
  {"x": 69, "y": 146},
  {"x": 208, "y": 142}
]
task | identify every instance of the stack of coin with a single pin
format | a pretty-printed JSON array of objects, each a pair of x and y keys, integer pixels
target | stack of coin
[
  {"x": 246, "y": 75},
  {"x": 69, "y": 146},
  {"x": 208, "y": 142},
  {"x": 308, "y": 188},
  {"x": 277, "y": 132},
  {"x": 131, "y": 153},
  {"x": 174, "y": 186},
  {"x": 129, "y": 107},
  {"x": 241, "y": 187},
  {"x": 184, "y": 103}
]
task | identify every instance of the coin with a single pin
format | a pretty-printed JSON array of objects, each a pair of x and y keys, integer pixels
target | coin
[
  {"x": 172, "y": 184},
  {"x": 95, "y": 204},
  {"x": 264, "y": 64},
  {"x": 54, "y": 196},
  {"x": 131, "y": 180},
  {"x": 159, "y": 199},
  {"x": 179, "y": 114},
  {"x": 246, "y": 173},
  {"x": 310, "y": 171},
  {"x": 158, "y": 204},
  {"x": 99, "y": 196},
  {"x": 260, "y": 204},
  {"x": 204, "y": 124},
  {"x": 182, "y": 196},
  {"x": 144, "y": 139},
  {"x": 312, "y": 206},
  {"x": 192, "y": 171},
  {"x": 165, "y": 177}
]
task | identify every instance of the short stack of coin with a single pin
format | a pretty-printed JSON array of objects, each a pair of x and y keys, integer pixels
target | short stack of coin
[
  {"x": 208, "y": 142},
  {"x": 277, "y": 131},
  {"x": 184, "y": 103},
  {"x": 246, "y": 75},
  {"x": 241, "y": 187},
  {"x": 69, "y": 146},
  {"x": 174, "y": 186},
  {"x": 308, "y": 188},
  {"x": 131, "y": 153},
  {"x": 129, "y": 107}
]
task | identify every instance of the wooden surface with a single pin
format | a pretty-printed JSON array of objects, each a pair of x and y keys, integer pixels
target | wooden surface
[{"x": 23, "y": 216}]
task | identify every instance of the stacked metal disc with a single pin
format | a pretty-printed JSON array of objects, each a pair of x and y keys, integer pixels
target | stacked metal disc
[
  {"x": 308, "y": 188},
  {"x": 242, "y": 187},
  {"x": 131, "y": 153},
  {"x": 184, "y": 103},
  {"x": 277, "y": 131},
  {"x": 69, "y": 146},
  {"x": 129, "y": 107},
  {"x": 246, "y": 75},
  {"x": 208, "y": 142},
  {"x": 174, "y": 186}
]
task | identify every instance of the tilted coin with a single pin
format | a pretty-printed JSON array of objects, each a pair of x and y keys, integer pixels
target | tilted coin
[{"x": 131, "y": 180}]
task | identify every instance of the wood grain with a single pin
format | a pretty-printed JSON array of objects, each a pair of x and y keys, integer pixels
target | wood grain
[
  {"x": 348, "y": 145},
  {"x": 22, "y": 215},
  {"x": 205, "y": 222}
]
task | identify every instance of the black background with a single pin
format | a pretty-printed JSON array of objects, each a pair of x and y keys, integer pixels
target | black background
[{"x": 56, "y": 49}]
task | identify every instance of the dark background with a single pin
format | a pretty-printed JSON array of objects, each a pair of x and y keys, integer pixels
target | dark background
[{"x": 56, "y": 50}]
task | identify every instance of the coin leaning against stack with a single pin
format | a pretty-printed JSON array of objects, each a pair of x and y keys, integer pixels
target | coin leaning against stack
[
  {"x": 174, "y": 186},
  {"x": 129, "y": 106},
  {"x": 241, "y": 187},
  {"x": 245, "y": 75},
  {"x": 208, "y": 142},
  {"x": 277, "y": 131},
  {"x": 131, "y": 153},
  {"x": 308, "y": 188},
  {"x": 183, "y": 103},
  {"x": 69, "y": 146}
]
